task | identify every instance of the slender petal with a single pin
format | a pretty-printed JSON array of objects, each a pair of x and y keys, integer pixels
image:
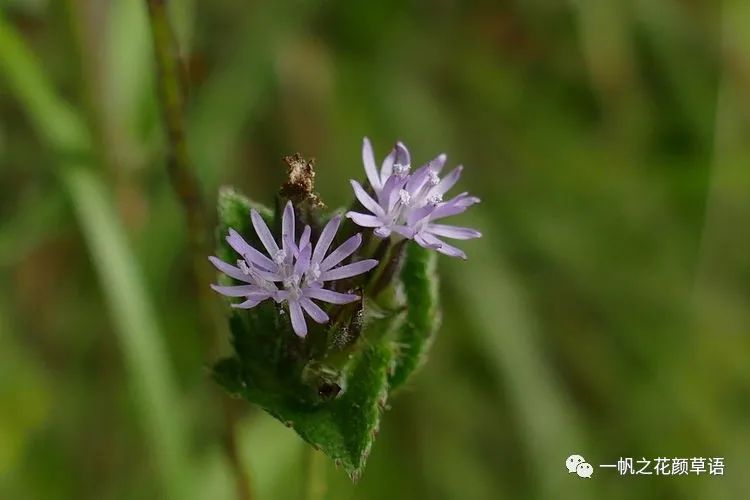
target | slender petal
[
  {"x": 248, "y": 304},
  {"x": 447, "y": 182},
  {"x": 303, "y": 261},
  {"x": 364, "y": 220},
  {"x": 287, "y": 230},
  {"x": 382, "y": 231},
  {"x": 326, "y": 238},
  {"x": 451, "y": 251},
  {"x": 264, "y": 233},
  {"x": 304, "y": 240},
  {"x": 389, "y": 195},
  {"x": 298, "y": 319},
  {"x": 349, "y": 270},
  {"x": 248, "y": 252},
  {"x": 386, "y": 169},
  {"x": 342, "y": 252},
  {"x": 230, "y": 270},
  {"x": 237, "y": 242},
  {"x": 453, "y": 207},
  {"x": 425, "y": 242},
  {"x": 242, "y": 291},
  {"x": 405, "y": 231},
  {"x": 368, "y": 158},
  {"x": 315, "y": 312},
  {"x": 417, "y": 180},
  {"x": 365, "y": 199},
  {"x": 438, "y": 163},
  {"x": 330, "y": 296},
  {"x": 418, "y": 214},
  {"x": 402, "y": 159},
  {"x": 455, "y": 232},
  {"x": 267, "y": 275}
]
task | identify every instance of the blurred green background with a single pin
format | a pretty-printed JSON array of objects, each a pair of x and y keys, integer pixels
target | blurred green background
[{"x": 605, "y": 312}]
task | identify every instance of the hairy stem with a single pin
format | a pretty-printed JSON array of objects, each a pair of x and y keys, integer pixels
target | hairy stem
[{"x": 171, "y": 87}]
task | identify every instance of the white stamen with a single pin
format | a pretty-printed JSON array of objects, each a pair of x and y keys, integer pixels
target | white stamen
[
  {"x": 314, "y": 271},
  {"x": 242, "y": 264},
  {"x": 434, "y": 179},
  {"x": 280, "y": 257},
  {"x": 400, "y": 170},
  {"x": 435, "y": 199},
  {"x": 294, "y": 293},
  {"x": 405, "y": 197}
]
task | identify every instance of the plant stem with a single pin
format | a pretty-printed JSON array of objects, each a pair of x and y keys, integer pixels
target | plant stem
[
  {"x": 171, "y": 86},
  {"x": 314, "y": 487},
  {"x": 172, "y": 102}
]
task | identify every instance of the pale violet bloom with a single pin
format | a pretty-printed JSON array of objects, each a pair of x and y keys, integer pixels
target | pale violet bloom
[
  {"x": 293, "y": 273},
  {"x": 408, "y": 203}
]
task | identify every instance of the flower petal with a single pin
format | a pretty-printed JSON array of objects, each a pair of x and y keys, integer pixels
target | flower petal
[
  {"x": 342, "y": 252},
  {"x": 348, "y": 270},
  {"x": 316, "y": 313},
  {"x": 303, "y": 261},
  {"x": 304, "y": 240},
  {"x": 386, "y": 169},
  {"x": 287, "y": 230},
  {"x": 264, "y": 233},
  {"x": 253, "y": 291},
  {"x": 326, "y": 238},
  {"x": 298, "y": 319},
  {"x": 248, "y": 304},
  {"x": 405, "y": 231},
  {"x": 451, "y": 251},
  {"x": 248, "y": 252},
  {"x": 330, "y": 296},
  {"x": 403, "y": 158},
  {"x": 438, "y": 163},
  {"x": 418, "y": 214},
  {"x": 230, "y": 270},
  {"x": 417, "y": 180},
  {"x": 237, "y": 242},
  {"x": 364, "y": 220},
  {"x": 447, "y": 182},
  {"x": 365, "y": 199},
  {"x": 268, "y": 275},
  {"x": 368, "y": 159},
  {"x": 440, "y": 246},
  {"x": 389, "y": 195},
  {"x": 454, "y": 206},
  {"x": 424, "y": 242},
  {"x": 455, "y": 232}
]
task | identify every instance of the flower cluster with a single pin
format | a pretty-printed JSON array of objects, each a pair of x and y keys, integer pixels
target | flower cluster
[
  {"x": 294, "y": 273},
  {"x": 408, "y": 203},
  {"x": 402, "y": 203}
]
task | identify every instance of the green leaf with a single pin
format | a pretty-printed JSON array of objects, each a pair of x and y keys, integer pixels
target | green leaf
[
  {"x": 423, "y": 313},
  {"x": 344, "y": 428}
]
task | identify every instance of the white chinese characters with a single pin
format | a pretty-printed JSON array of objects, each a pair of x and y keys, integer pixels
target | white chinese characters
[{"x": 664, "y": 466}]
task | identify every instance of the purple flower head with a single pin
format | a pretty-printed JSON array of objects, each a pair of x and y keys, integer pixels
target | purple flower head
[
  {"x": 408, "y": 203},
  {"x": 293, "y": 273}
]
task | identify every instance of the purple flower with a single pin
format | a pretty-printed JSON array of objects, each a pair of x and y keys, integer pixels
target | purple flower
[
  {"x": 410, "y": 203},
  {"x": 293, "y": 273}
]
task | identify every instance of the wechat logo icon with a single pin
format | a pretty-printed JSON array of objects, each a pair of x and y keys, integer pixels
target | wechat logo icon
[{"x": 577, "y": 464}]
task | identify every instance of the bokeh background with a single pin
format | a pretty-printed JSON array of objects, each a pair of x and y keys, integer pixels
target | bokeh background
[{"x": 605, "y": 312}]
